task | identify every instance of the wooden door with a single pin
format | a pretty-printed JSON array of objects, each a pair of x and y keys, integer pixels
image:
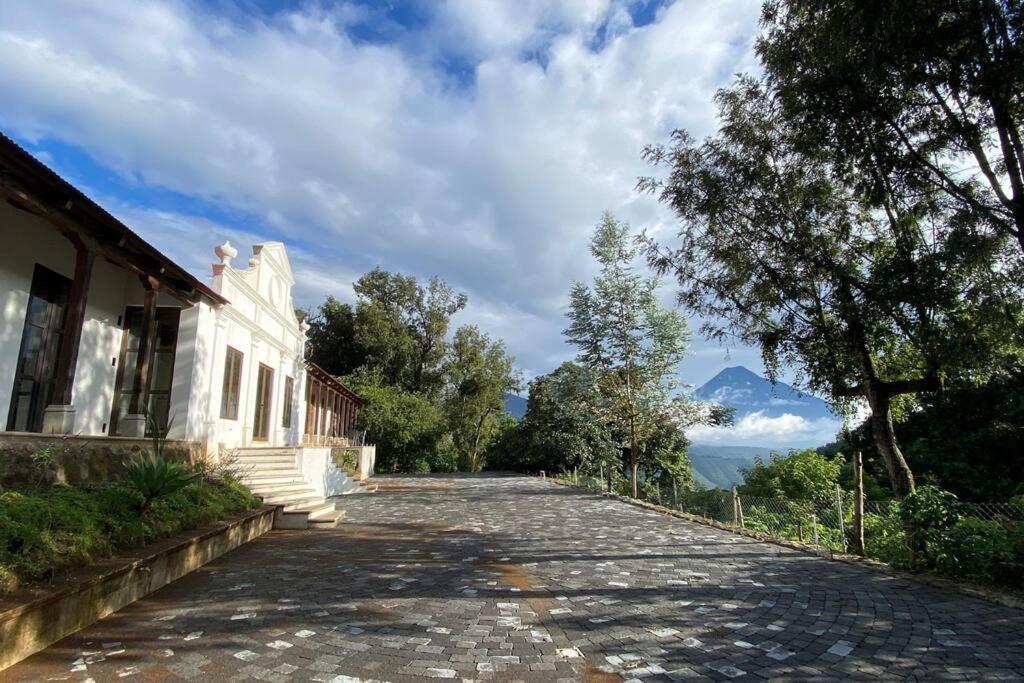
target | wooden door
[
  {"x": 40, "y": 344},
  {"x": 161, "y": 375},
  {"x": 264, "y": 388}
]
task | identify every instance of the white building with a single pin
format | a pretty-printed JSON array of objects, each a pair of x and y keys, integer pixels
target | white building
[{"x": 101, "y": 335}]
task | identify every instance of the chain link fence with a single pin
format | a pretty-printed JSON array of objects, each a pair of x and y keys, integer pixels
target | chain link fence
[{"x": 830, "y": 525}]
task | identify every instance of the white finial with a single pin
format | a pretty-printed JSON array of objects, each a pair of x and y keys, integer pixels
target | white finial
[{"x": 226, "y": 252}]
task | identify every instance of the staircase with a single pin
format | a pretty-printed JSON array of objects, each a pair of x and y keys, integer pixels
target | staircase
[{"x": 273, "y": 475}]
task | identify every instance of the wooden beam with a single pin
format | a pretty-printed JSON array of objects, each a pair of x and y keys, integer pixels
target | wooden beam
[{"x": 67, "y": 356}]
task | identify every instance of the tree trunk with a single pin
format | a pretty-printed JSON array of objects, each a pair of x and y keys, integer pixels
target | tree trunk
[
  {"x": 633, "y": 464},
  {"x": 900, "y": 477}
]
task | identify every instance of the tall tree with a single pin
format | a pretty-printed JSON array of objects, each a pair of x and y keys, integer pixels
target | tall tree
[
  {"x": 332, "y": 340},
  {"x": 403, "y": 325},
  {"x": 633, "y": 343},
  {"x": 560, "y": 431},
  {"x": 479, "y": 372},
  {"x": 929, "y": 93},
  {"x": 777, "y": 250}
]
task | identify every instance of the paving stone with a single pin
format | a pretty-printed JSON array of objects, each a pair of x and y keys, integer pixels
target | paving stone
[{"x": 509, "y": 578}]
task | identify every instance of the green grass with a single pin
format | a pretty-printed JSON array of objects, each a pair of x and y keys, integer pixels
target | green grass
[{"x": 45, "y": 533}]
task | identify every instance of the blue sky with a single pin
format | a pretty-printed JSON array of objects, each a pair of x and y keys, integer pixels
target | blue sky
[{"x": 478, "y": 140}]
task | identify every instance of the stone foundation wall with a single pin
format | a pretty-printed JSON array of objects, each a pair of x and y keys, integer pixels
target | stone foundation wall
[{"x": 32, "y": 459}]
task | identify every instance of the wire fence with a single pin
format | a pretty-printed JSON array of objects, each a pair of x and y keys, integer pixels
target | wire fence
[{"x": 830, "y": 524}]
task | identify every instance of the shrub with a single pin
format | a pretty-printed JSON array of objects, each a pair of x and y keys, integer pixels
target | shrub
[
  {"x": 974, "y": 549},
  {"x": 929, "y": 513},
  {"x": 885, "y": 538},
  {"x": 46, "y": 533},
  {"x": 156, "y": 477}
]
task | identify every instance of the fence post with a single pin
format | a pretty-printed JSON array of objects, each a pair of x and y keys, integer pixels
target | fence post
[
  {"x": 839, "y": 512},
  {"x": 800, "y": 530},
  {"x": 814, "y": 528},
  {"x": 858, "y": 503},
  {"x": 675, "y": 494},
  {"x": 737, "y": 508}
]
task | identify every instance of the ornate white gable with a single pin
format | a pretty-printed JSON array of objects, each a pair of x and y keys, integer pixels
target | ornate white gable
[{"x": 262, "y": 292}]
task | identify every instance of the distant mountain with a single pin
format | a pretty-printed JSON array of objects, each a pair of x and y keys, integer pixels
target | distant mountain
[
  {"x": 720, "y": 466},
  {"x": 747, "y": 393},
  {"x": 515, "y": 406}
]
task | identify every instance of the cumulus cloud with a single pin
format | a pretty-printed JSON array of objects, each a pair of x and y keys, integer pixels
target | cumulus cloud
[
  {"x": 359, "y": 153},
  {"x": 758, "y": 429}
]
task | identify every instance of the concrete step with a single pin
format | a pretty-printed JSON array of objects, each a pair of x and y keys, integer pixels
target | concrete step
[
  {"x": 263, "y": 461},
  {"x": 312, "y": 509},
  {"x": 278, "y": 489},
  {"x": 264, "y": 452},
  {"x": 266, "y": 470},
  {"x": 299, "y": 499},
  {"x": 327, "y": 520}
]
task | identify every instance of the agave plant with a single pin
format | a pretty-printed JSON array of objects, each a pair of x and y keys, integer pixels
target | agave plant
[{"x": 154, "y": 476}]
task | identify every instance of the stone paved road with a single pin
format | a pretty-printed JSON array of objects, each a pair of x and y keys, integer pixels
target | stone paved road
[{"x": 510, "y": 578}]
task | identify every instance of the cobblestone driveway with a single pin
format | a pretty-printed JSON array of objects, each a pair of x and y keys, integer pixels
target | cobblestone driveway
[{"x": 511, "y": 578}]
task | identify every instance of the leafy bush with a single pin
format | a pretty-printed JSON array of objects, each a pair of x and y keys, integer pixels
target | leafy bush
[
  {"x": 156, "y": 477},
  {"x": 974, "y": 549},
  {"x": 800, "y": 475},
  {"x": 929, "y": 513},
  {"x": 885, "y": 538},
  {"x": 46, "y": 533}
]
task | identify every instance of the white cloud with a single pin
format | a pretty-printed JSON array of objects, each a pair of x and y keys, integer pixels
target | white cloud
[
  {"x": 358, "y": 154},
  {"x": 758, "y": 429}
]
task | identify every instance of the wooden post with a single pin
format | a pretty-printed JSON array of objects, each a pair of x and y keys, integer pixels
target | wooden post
[
  {"x": 858, "y": 503},
  {"x": 839, "y": 513},
  {"x": 737, "y": 508},
  {"x": 675, "y": 493},
  {"x": 814, "y": 528},
  {"x": 67, "y": 356},
  {"x": 143, "y": 363}
]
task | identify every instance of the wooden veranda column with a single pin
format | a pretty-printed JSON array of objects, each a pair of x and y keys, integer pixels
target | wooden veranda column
[
  {"x": 67, "y": 357},
  {"x": 144, "y": 362}
]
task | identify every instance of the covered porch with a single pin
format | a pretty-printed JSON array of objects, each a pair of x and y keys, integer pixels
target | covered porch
[
  {"x": 95, "y": 336},
  {"x": 331, "y": 410}
]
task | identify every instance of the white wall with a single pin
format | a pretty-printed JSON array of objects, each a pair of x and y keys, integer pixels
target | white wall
[
  {"x": 260, "y": 322},
  {"x": 319, "y": 471}
]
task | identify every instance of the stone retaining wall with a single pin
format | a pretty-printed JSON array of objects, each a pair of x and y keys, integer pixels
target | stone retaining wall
[
  {"x": 33, "y": 619},
  {"x": 29, "y": 459}
]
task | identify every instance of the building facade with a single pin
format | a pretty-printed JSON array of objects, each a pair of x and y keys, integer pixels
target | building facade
[{"x": 101, "y": 335}]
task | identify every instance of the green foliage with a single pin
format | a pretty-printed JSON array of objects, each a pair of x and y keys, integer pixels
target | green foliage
[
  {"x": 968, "y": 439},
  {"x": 154, "y": 476},
  {"x": 45, "y": 533},
  {"x": 782, "y": 249},
  {"x": 559, "y": 432},
  {"x": 801, "y": 475},
  {"x": 478, "y": 372},
  {"x": 346, "y": 459},
  {"x": 402, "y": 326},
  {"x": 885, "y": 537},
  {"x": 406, "y": 427},
  {"x": 916, "y": 93},
  {"x": 631, "y": 343},
  {"x": 331, "y": 338},
  {"x": 981, "y": 551},
  {"x": 929, "y": 513}
]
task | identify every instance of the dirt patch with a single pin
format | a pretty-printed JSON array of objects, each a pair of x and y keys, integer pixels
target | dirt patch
[
  {"x": 591, "y": 674},
  {"x": 515, "y": 575}
]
